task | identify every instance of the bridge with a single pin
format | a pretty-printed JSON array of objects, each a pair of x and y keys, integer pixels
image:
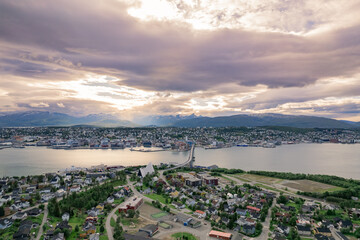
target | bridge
[{"x": 189, "y": 161}]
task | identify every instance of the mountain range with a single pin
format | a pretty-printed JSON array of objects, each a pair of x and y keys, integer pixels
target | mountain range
[
  {"x": 256, "y": 120},
  {"x": 41, "y": 118},
  {"x": 162, "y": 120}
]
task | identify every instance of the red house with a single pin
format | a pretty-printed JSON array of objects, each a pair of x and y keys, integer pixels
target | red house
[
  {"x": 254, "y": 209},
  {"x": 220, "y": 235},
  {"x": 131, "y": 203},
  {"x": 211, "y": 181}
]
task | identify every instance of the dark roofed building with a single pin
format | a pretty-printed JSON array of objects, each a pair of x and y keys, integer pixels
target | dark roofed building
[{"x": 150, "y": 229}]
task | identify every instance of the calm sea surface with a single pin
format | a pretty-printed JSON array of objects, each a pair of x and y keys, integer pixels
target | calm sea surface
[{"x": 333, "y": 159}]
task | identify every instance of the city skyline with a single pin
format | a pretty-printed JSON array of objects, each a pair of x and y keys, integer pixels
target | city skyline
[{"x": 210, "y": 58}]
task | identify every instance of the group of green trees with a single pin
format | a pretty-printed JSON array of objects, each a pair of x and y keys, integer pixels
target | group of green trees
[
  {"x": 332, "y": 180},
  {"x": 227, "y": 171},
  {"x": 84, "y": 200},
  {"x": 118, "y": 230},
  {"x": 157, "y": 204}
]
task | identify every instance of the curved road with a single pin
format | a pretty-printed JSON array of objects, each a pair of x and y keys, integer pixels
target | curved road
[{"x": 42, "y": 223}]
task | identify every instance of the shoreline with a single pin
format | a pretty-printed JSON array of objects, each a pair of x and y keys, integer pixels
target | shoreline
[{"x": 305, "y": 158}]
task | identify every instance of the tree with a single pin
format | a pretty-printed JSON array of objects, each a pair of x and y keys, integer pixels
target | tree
[
  {"x": 258, "y": 226},
  {"x": 76, "y": 228},
  {"x": 66, "y": 233},
  {"x": 54, "y": 208},
  {"x": 37, "y": 196},
  {"x": 131, "y": 213},
  {"x": 118, "y": 231},
  {"x": 282, "y": 199},
  {"x": 357, "y": 233},
  {"x": 292, "y": 221},
  {"x": 2, "y": 211},
  {"x": 102, "y": 229},
  {"x": 293, "y": 234}
]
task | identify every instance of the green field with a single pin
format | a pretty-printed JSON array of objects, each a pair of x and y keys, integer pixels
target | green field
[
  {"x": 112, "y": 222},
  {"x": 118, "y": 183},
  {"x": 159, "y": 214},
  {"x": 181, "y": 235},
  {"x": 103, "y": 237},
  {"x": 164, "y": 225},
  {"x": 156, "y": 197},
  {"x": 128, "y": 221}
]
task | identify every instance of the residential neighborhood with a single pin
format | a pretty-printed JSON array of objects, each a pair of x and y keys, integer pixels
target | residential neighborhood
[{"x": 152, "y": 202}]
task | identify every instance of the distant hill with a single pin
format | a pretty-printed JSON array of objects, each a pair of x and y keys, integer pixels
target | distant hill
[
  {"x": 257, "y": 120},
  {"x": 162, "y": 120},
  {"x": 355, "y": 124},
  {"x": 40, "y": 118}
]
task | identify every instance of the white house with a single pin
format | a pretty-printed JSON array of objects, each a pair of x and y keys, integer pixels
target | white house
[
  {"x": 110, "y": 199},
  {"x": 5, "y": 223},
  {"x": 75, "y": 188},
  {"x": 65, "y": 217},
  {"x": 19, "y": 215},
  {"x": 200, "y": 214}
]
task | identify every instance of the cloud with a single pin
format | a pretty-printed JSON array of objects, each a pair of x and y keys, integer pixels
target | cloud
[{"x": 253, "y": 56}]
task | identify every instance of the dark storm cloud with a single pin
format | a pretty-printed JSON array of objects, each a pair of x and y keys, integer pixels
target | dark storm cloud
[{"x": 100, "y": 37}]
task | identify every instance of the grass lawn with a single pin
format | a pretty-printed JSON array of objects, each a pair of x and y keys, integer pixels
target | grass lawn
[
  {"x": 238, "y": 176},
  {"x": 119, "y": 201},
  {"x": 180, "y": 235},
  {"x": 103, "y": 237},
  {"x": 112, "y": 222},
  {"x": 311, "y": 186},
  {"x": 73, "y": 221},
  {"x": 338, "y": 213},
  {"x": 159, "y": 214},
  {"x": 164, "y": 225},
  {"x": 8, "y": 233},
  {"x": 54, "y": 220},
  {"x": 225, "y": 177},
  {"x": 128, "y": 221},
  {"x": 267, "y": 187},
  {"x": 98, "y": 229},
  {"x": 157, "y": 197},
  {"x": 37, "y": 219},
  {"x": 260, "y": 178},
  {"x": 118, "y": 183}
]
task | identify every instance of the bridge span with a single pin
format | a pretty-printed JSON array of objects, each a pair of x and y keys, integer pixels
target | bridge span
[{"x": 189, "y": 161}]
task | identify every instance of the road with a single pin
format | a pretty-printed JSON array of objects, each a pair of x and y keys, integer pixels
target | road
[
  {"x": 43, "y": 222},
  {"x": 108, "y": 227}
]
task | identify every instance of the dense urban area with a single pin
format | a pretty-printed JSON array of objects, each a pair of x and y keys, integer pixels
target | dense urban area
[
  {"x": 182, "y": 201},
  {"x": 178, "y": 202},
  {"x": 169, "y": 138}
]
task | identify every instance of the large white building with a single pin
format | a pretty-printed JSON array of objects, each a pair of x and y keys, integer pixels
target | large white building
[{"x": 149, "y": 169}]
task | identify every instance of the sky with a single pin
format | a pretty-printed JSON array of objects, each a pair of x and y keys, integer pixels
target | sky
[{"x": 134, "y": 58}]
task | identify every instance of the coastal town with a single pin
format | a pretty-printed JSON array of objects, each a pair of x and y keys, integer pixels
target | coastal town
[
  {"x": 172, "y": 139},
  {"x": 181, "y": 201}
]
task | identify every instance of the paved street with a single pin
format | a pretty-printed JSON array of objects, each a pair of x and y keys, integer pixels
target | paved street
[{"x": 43, "y": 222}]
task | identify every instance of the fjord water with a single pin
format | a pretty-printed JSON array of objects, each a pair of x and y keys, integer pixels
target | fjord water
[{"x": 334, "y": 159}]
